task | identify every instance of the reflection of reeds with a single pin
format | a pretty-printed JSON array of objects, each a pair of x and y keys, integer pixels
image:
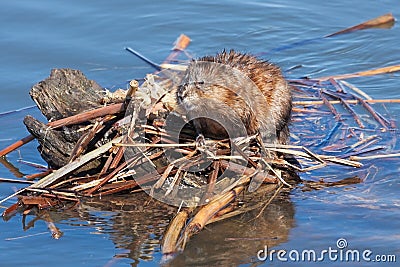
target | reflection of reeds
[{"x": 319, "y": 98}]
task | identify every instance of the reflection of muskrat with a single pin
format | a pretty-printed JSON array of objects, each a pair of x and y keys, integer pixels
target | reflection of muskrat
[{"x": 240, "y": 90}]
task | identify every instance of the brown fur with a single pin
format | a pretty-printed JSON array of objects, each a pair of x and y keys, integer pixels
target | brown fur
[{"x": 244, "y": 90}]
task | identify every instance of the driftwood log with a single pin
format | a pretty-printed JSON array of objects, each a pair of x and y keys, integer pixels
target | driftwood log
[{"x": 65, "y": 93}]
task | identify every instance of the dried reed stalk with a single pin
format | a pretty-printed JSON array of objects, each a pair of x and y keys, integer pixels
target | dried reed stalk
[
  {"x": 334, "y": 102},
  {"x": 384, "y": 21},
  {"x": 205, "y": 213},
  {"x": 51, "y": 178},
  {"x": 171, "y": 236},
  {"x": 393, "y": 155},
  {"x": 75, "y": 119},
  {"x": 384, "y": 70}
]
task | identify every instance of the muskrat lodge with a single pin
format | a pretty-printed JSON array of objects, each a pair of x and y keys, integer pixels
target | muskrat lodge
[{"x": 207, "y": 139}]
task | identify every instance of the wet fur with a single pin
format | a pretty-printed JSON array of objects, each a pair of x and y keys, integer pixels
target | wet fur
[{"x": 224, "y": 91}]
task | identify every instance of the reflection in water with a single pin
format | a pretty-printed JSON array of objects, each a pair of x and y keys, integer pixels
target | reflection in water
[
  {"x": 10, "y": 167},
  {"x": 236, "y": 241},
  {"x": 136, "y": 225},
  {"x": 138, "y": 228}
]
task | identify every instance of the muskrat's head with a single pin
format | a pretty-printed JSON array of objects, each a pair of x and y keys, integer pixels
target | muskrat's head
[
  {"x": 190, "y": 95},
  {"x": 204, "y": 85},
  {"x": 205, "y": 95}
]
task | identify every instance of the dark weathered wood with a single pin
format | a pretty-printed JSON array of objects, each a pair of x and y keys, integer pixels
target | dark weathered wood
[
  {"x": 54, "y": 146},
  {"x": 65, "y": 93}
]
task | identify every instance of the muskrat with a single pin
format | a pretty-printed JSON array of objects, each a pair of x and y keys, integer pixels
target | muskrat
[{"x": 220, "y": 93}]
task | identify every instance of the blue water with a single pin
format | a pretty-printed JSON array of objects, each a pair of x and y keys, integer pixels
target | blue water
[{"x": 37, "y": 36}]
